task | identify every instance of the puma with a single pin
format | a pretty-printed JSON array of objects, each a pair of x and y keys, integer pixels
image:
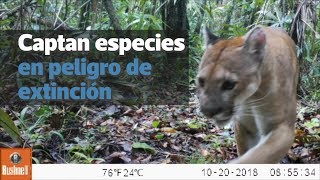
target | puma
[{"x": 252, "y": 82}]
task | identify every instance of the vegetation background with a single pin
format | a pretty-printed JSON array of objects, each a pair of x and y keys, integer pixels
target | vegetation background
[{"x": 123, "y": 133}]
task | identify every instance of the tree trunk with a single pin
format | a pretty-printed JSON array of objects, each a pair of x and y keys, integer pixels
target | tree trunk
[
  {"x": 200, "y": 19},
  {"x": 112, "y": 14},
  {"x": 174, "y": 15},
  {"x": 95, "y": 15},
  {"x": 84, "y": 15}
]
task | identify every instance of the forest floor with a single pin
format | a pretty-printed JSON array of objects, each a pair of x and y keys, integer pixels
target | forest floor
[{"x": 147, "y": 134}]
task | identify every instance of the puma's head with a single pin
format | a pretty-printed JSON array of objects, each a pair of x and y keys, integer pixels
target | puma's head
[{"x": 229, "y": 73}]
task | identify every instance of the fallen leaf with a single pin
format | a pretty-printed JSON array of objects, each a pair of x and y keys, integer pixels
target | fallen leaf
[
  {"x": 139, "y": 111},
  {"x": 144, "y": 146},
  {"x": 304, "y": 152},
  {"x": 177, "y": 148},
  {"x": 146, "y": 160},
  {"x": 97, "y": 148},
  {"x": 111, "y": 110},
  {"x": 126, "y": 146},
  {"x": 88, "y": 124},
  {"x": 128, "y": 112},
  {"x": 177, "y": 157},
  {"x": 168, "y": 130},
  {"x": 205, "y": 152}
]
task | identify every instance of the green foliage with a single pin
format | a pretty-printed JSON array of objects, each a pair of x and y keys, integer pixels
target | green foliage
[
  {"x": 143, "y": 146},
  {"x": 83, "y": 153},
  {"x": 159, "y": 136},
  {"x": 310, "y": 76},
  {"x": 233, "y": 30},
  {"x": 138, "y": 15},
  {"x": 274, "y": 17},
  {"x": 196, "y": 125},
  {"x": 43, "y": 113},
  {"x": 155, "y": 123},
  {"x": 197, "y": 158},
  {"x": 304, "y": 110},
  {"x": 217, "y": 141},
  {"x": 9, "y": 126},
  {"x": 196, "y": 49},
  {"x": 314, "y": 122}
]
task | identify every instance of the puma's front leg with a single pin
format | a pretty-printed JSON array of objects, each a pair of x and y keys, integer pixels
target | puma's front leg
[
  {"x": 270, "y": 148},
  {"x": 245, "y": 138},
  {"x": 242, "y": 143}
]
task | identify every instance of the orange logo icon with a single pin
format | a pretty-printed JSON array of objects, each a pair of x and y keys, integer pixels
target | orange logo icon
[{"x": 16, "y": 163}]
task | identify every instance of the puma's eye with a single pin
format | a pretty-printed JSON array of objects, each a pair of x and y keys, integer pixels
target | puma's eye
[
  {"x": 228, "y": 85},
  {"x": 201, "y": 81}
]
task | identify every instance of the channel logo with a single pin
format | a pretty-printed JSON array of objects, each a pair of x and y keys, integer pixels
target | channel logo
[{"x": 16, "y": 163}]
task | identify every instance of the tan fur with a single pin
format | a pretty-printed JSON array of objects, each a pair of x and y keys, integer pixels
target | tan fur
[{"x": 262, "y": 104}]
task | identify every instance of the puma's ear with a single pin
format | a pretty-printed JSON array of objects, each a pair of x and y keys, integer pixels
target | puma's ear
[
  {"x": 255, "y": 41},
  {"x": 209, "y": 38}
]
